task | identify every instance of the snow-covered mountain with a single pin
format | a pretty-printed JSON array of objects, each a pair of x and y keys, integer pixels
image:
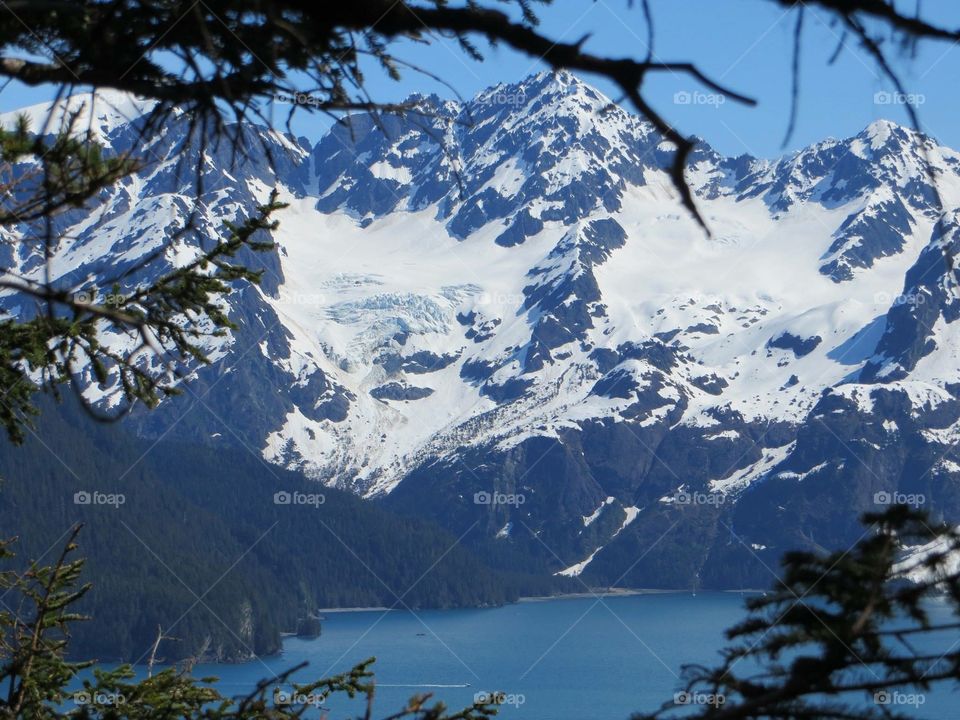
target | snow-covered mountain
[{"x": 497, "y": 312}]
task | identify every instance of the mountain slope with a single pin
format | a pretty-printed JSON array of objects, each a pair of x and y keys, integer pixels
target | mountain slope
[
  {"x": 194, "y": 541},
  {"x": 504, "y": 296}
]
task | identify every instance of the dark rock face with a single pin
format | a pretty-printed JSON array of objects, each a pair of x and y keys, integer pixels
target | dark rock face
[
  {"x": 419, "y": 363},
  {"x": 909, "y": 332},
  {"x": 800, "y": 346},
  {"x": 400, "y": 392},
  {"x": 522, "y": 227},
  {"x": 875, "y": 232}
]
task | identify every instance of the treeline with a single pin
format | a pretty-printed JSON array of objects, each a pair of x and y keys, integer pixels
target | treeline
[{"x": 190, "y": 539}]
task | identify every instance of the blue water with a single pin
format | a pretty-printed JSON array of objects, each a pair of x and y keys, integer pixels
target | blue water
[
  {"x": 556, "y": 660},
  {"x": 569, "y": 658}
]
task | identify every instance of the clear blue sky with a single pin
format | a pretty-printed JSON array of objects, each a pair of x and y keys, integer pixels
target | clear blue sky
[{"x": 747, "y": 44}]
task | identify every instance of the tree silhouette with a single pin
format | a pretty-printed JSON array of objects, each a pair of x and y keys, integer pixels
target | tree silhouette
[
  {"x": 36, "y": 673},
  {"x": 841, "y": 635}
]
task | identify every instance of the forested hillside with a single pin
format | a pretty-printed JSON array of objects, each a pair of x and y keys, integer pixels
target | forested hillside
[{"x": 199, "y": 547}]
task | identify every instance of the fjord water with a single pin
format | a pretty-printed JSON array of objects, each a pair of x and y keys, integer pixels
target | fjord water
[
  {"x": 568, "y": 658},
  {"x": 555, "y": 660}
]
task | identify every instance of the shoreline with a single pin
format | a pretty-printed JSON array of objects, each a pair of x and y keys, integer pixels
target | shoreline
[
  {"x": 527, "y": 599},
  {"x": 625, "y": 592},
  {"x": 368, "y": 608},
  {"x": 599, "y": 592}
]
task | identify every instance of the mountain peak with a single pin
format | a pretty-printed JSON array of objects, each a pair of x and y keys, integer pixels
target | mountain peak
[
  {"x": 101, "y": 112},
  {"x": 547, "y": 86},
  {"x": 557, "y": 78},
  {"x": 881, "y": 133}
]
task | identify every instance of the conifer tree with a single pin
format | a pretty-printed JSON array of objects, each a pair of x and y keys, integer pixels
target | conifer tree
[
  {"x": 36, "y": 675},
  {"x": 842, "y": 635}
]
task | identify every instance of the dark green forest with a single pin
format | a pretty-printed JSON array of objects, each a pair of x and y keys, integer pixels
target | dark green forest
[{"x": 193, "y": 519}]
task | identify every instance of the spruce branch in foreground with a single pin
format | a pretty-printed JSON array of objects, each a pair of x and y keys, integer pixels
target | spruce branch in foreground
[
  {"x": 145, "y": 335},
  {"x": 841, "y": 633},
  {"x": 37, "y": 676}
]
